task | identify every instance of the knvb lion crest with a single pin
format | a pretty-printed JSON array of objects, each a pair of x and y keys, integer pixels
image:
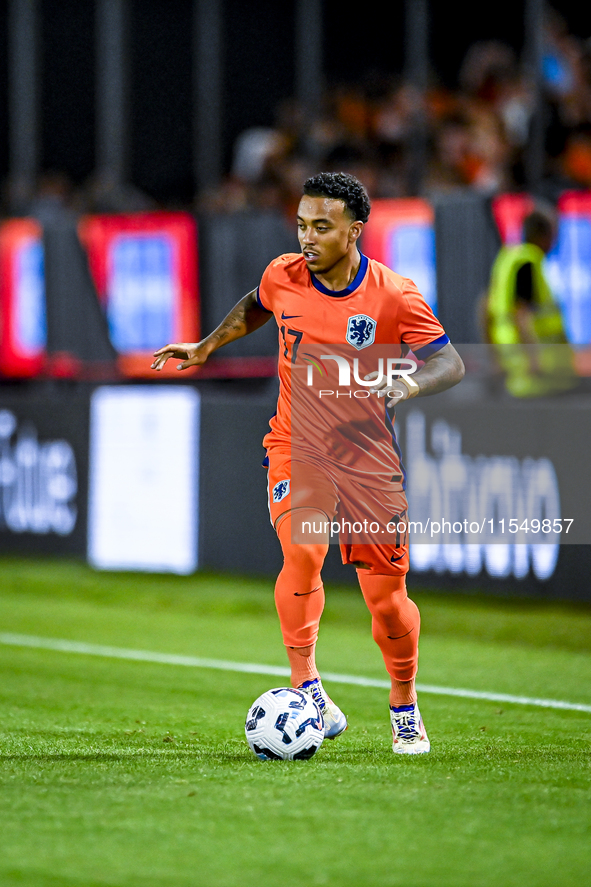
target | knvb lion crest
[
  {"x": 280, "y": 490},
  {"x": 361, "y": 331}
]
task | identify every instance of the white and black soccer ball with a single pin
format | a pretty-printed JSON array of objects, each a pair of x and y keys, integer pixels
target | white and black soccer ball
[{"x": 284, "y": 724}]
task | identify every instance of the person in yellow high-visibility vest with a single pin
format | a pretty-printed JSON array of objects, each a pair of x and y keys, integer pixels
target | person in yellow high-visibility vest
[{"x": 523, "y": 319}]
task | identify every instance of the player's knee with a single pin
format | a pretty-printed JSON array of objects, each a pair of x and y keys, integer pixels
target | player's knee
[
  {"x": 303, "y": 526},
  {"x": 381, "y": 608},
  {"x": 308, "y": 559},
  {"x": 383, "y": 592}
]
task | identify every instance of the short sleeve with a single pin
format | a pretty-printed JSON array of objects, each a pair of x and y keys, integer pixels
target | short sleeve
[
  {"x": 418, "y": 326},
  {"x": 265, "y": 289},
  {"x": 259, "y": 301}
]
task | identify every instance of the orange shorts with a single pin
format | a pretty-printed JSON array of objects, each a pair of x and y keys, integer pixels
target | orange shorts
[{"x": 371, "y": 524}]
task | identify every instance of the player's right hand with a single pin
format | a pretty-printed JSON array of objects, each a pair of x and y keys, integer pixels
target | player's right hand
[
  {"x": 398, "y": 392},
  {"x": 190, "y": 353}
]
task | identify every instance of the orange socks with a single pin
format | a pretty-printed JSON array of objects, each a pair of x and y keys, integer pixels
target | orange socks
[
  {"x": 395, "y": 626},
  {"x": 299, "y": 598},
  {"x": 303, "y": 664},
  {"x": 299, "y": 593}
]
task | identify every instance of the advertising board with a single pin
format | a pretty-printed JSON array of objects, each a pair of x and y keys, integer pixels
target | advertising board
[
  {"x": 144, "y": 267},
  {"x": 401, "y": 234},
  {"x": 498, "y": 490},
  {"x": 23, "y": 326},
  {"x": 143, "y": 479},
  {"x": 43, "y": 471}
]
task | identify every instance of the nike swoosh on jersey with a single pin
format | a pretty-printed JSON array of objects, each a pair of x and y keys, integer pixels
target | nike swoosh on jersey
[
  {"x": 399, "y": 558},
  {"x": 285, "y": 316}
]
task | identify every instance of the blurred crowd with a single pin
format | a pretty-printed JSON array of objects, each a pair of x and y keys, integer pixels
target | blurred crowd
[{"x": 400, "y": 141}]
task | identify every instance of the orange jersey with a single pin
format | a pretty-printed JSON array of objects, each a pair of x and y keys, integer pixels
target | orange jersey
[{"x": 379, "y": 313}]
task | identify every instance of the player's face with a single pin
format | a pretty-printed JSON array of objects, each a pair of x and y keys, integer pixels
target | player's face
[{"x": 325, "y": 231}]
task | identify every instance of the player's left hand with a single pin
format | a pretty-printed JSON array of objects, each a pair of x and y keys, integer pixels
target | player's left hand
[{"x": 397, "y": 390}]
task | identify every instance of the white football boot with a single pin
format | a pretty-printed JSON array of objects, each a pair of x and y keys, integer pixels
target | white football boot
[
  {"x": 335, "y": 721},
  {"x": 409, "y": 736}
]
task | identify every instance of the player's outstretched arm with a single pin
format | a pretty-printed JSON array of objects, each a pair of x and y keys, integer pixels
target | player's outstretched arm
[{"x": 244, "y": 318}]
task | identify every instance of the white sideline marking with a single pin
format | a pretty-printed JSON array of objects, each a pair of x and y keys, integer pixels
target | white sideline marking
[{"x": 63, "y": 646}]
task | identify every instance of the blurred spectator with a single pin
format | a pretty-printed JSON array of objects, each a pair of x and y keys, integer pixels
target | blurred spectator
[
  {"x": 524, "y": 320},
  {"x": 500, "y": 104},
  {"x": 476, "y": 136},
  {"x": 576, "y": 158},
  {"x": 398, "y": 140},
  {"x": 253, "y": 150},
  {"x": 567, "y": 99}
]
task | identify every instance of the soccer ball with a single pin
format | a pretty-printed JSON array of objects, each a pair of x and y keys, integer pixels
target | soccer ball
[{"x": 284, "y": 724}]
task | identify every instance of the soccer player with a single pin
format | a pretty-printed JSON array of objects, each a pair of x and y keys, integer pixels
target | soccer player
[{"x": 329, "y": 294}]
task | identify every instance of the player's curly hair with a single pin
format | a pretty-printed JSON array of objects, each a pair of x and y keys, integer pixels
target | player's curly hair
[{"x": 341, "y": 186}]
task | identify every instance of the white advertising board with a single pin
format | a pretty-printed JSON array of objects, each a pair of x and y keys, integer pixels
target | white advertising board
[{"x": 143, "y": 479}]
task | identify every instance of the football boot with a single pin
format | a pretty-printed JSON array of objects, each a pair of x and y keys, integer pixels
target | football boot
[
  {"x": 335, "y": 721},
  {"x": 409, "y": 736}
]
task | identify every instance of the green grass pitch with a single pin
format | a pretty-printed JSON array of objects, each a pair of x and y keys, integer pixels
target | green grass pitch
[{"x": 135, "y": 774}]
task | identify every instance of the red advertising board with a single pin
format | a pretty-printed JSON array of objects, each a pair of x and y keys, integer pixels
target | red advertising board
[
  {"x": 22, "y": 299},
  {"x": 401, "y": 234},
  {"x": 144, "y": 266}
]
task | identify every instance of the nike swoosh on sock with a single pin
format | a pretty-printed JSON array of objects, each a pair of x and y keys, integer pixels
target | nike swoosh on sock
[
  {"x": 397, "y": 638},
  {"x": 304, "y": 593}
]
